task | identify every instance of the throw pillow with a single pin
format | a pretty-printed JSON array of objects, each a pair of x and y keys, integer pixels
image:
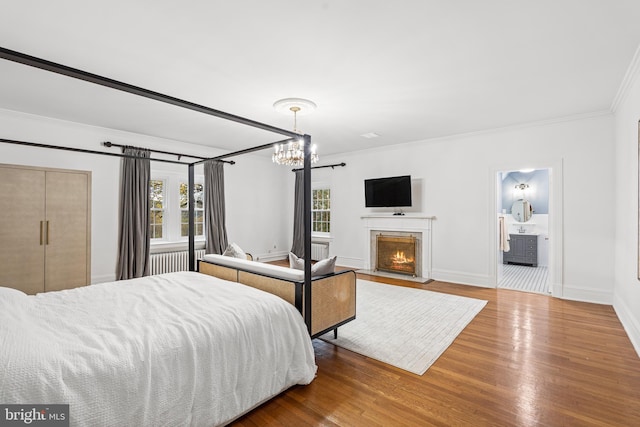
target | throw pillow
[
  {"x": 324, "y": 266},
  {"x": 320, "y": 268},
  {"x": 295, "y": 262},
  {"x": 234, "y": 250}
]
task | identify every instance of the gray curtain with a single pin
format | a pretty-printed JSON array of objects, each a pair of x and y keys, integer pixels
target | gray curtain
[
  {"x": 134, "y": 240},
  {"x": 214, "y": 207},
  {"x": 298, "y": 216}
]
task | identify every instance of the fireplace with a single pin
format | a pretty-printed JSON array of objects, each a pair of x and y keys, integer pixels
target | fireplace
[
  {"x": 396, "y": 254},
  {"x": 415, "y": 228}
]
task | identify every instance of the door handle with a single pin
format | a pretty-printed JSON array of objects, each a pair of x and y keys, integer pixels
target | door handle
[
  {"x": 41, "y": 231},
  {"x": 47, "y": 235}
]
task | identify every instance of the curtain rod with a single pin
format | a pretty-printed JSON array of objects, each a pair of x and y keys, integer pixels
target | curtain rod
[
  {"x": 82, "y": 150},
  {"x": 320, "y": 167},
  {"x": 111, "y": 144}
]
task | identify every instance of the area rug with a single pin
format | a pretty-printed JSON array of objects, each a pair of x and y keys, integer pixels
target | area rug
[{"x": 405, "y": 327}]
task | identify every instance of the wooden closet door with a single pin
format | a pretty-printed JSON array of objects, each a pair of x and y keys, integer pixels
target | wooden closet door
[
  {"x": 68, "y": 258},
  {"x": 22, "y": 193}
]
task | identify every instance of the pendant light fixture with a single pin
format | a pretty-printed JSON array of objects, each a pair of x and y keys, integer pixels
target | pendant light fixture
[{"x": 292, "y": 153}]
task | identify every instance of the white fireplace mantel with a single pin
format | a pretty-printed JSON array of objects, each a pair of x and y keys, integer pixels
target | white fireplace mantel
[{"x": 410, "y": 223}]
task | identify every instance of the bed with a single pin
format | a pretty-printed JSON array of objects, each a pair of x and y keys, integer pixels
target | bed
[
  {"x": 290, "y": 135},
  {"x": 177, "y": 349}
]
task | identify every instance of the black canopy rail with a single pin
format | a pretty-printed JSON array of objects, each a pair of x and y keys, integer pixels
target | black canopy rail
[
  {"x": 43, "y": 64},
  {"x": 333, "y": 166},
  {"x": 82, "y": 150},
  {"x": 245, "y": 151},
  {"x": 64, "y": 70},
  {"x": 179, "y": 155}
]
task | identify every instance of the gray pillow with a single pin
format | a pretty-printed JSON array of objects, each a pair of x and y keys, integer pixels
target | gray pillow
[
  {"x": 320, "y": 268},
  {"x": 234, "y": 250}
]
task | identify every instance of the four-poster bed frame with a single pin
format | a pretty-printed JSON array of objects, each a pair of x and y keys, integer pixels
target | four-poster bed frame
[{"x": 53, "y": 67}]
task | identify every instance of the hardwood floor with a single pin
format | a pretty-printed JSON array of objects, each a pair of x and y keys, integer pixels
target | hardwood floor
[{"x": 525, "y": 360}]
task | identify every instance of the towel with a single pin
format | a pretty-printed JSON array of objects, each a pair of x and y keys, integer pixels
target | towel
[{"x": 504, "y": 235}]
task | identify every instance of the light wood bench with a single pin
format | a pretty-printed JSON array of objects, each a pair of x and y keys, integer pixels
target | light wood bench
[{"x": 333, "y": 297}]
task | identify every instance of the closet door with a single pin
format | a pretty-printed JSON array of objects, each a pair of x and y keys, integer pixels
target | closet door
[
  {"x": 22, "y": 250},
  {"x": 68, "y": 222}
]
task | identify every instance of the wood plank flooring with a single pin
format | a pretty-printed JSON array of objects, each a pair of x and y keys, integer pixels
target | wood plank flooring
[{"x": 525, "y": 360}]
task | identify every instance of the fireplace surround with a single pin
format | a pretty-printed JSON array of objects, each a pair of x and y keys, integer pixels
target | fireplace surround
[{"x": 415, "y": 226}]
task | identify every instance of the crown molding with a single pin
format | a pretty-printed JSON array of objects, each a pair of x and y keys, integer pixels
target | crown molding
[
  {"x": 497, "y": 130},
  {"x": 629, "y": 78}
]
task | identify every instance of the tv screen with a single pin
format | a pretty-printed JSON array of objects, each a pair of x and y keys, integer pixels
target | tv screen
[{"x": 393, "y": 191}]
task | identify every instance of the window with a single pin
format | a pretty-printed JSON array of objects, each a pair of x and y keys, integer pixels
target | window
[
  {"x": 169, "y": 208},
  {"x": 321, "y": 210},
  {"x": 156, "y": 203},
  {"x": 198, "y": 195}
]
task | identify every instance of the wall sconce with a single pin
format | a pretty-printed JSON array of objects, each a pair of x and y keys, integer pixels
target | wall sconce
[{"x": 520, "y": 191}]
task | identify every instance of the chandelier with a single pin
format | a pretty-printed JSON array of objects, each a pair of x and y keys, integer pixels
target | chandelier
[{"x": 292, "y": 153}]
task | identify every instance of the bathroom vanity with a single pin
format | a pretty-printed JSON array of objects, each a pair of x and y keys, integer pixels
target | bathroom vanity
[{"x": 524, "y": 250}]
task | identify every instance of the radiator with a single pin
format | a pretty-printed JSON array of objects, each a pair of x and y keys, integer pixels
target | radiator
[
  {"x": 168, "y": 262},
  {"x": 319, "y": 251}
]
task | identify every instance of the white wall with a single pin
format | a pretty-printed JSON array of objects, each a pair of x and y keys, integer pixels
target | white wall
[
  {"x": 255, "y": 188},
  {"x": 456, "y": 177},
  {"x": 627, "y": 285}
]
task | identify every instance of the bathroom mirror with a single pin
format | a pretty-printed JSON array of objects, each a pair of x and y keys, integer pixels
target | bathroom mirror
[{"x": 521, "y": 210}]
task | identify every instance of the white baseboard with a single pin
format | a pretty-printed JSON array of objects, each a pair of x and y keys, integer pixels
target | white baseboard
[
  {"x": 271, "y": 256},
  {"x": 355, "y": 263},
  {"x": 481, "y": 280},
  {"x": 575, "y": 293},
  {"x": 556, "y": 290},
  {"x": 103, "y": 278},
  {"x": 630, "y": 324}
]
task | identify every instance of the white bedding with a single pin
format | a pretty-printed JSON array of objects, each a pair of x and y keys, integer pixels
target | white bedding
[{"x": 179, "y": 349}]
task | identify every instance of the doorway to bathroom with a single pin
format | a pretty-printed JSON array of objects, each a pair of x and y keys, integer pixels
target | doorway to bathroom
[{"x": 523, "y": 218}]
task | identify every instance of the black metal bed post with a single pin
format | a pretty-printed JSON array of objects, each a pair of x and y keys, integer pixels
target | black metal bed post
[
  {"x": 192, "y": 240},
  {"x": 307, "y": 231}
]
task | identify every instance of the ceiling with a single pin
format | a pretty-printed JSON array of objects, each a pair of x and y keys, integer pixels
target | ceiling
[{"x": 406, "y": 70}]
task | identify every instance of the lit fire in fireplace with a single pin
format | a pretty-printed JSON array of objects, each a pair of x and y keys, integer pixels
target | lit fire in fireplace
[
  {"x": 400, "y": 259},
  {"x": 396, "y": 254}
]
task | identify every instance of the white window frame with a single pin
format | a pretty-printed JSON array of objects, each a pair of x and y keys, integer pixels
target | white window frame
[
  {"x": 164, "y": 208},
  {"x": 172, "y": 213},
  {"x": 196, "y": 209},
  {"x": 320, "y": 186}
]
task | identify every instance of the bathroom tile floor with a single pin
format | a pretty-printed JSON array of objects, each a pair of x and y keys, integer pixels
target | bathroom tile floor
[{"x": 524, "y": 278}]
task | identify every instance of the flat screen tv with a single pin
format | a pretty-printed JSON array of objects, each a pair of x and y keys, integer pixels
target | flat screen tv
[{"x": 394, "y": 191}]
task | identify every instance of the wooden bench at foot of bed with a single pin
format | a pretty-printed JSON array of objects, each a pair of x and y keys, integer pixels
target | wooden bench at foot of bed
[{"x": 333, "y": 297}]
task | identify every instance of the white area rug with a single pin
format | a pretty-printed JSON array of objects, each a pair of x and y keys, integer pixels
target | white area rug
[{"x": 404, "y": 327}]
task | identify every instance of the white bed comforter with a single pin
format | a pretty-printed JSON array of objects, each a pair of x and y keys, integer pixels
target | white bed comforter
[{"x": 179, "y": 349}]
